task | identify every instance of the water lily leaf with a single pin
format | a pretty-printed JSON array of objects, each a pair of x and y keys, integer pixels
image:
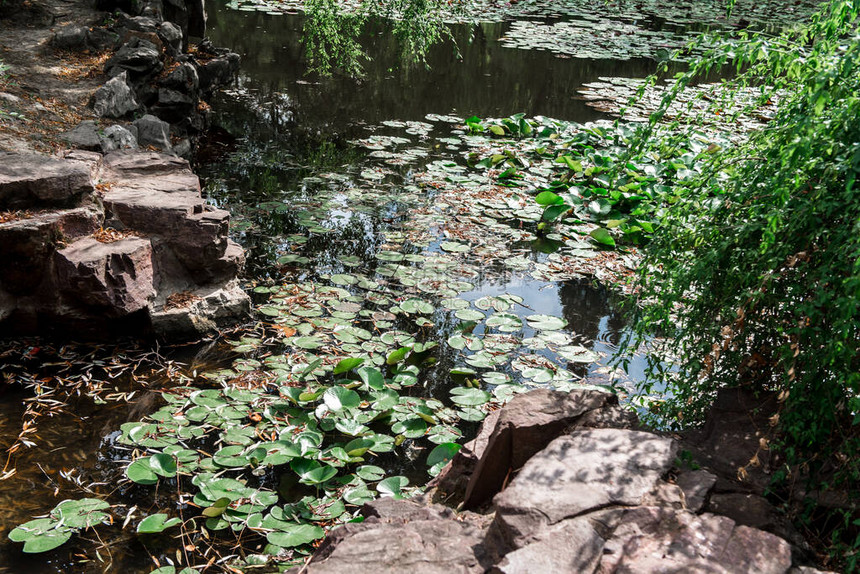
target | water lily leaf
[
  {"x": 141, "y": 472},
  {"x": 578, "y": 354},
  {"x": 469, "y": 396},
  {"x": 156, "y": 523},
  {"x": 442, "y": 453},
  {"x": 370, "y": 473},
  {"x": 163, "y": 465},
  {"x": 371, "y": 377},
  {"x": 318, "y": 475},
  {"x": 312, "y": 342},
  {"x": 392, "y": 486},
  {"x": 454, "y": 247},
  {"x": 231, "y": 456},
  {"x": 295, "y": 535},
  {"x": 505, "y": 322},
  {"x": 602, "y": 236},
  {"x": 396, "y": 356},
  {"x": 358, "y": 495},
  {"x": 344, "y": 279},
  {"x": 347, "y": 365},
  {"x": 339, "y": 398},
  {"x": 410, "y": 428},
  {"x": 47, "y": 541},
  {"x": 546, "y": 322},
  {"x": 82, "y": 513},
  {"x": 469, "y": 315},
  {"x": 218, "y": 508}
]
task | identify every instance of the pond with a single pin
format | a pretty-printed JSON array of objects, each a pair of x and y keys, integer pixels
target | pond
[{"x": 382, "y": 256}]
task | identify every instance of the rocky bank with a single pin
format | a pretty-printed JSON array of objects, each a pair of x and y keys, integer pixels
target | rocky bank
[
  {"x": 108, "y": 233},
  {"x": 566, "y": 482}
]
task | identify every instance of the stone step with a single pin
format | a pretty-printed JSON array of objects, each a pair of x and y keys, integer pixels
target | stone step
[{"x": 33, "y": 181}]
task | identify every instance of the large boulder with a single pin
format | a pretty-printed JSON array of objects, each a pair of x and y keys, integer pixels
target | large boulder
[
  {"x": 509, "y": 437},
  {"x": 579, "y": 473},
  {"x": 32, "y": 181},
  {"x": 153, "y": 132},
  {"x": 115, "y": 277}
]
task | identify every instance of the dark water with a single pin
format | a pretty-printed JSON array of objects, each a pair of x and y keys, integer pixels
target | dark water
[{"x": 277, "y": 127}]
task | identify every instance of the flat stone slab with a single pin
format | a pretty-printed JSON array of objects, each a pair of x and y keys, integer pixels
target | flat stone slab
[
  {"x": 579, "y": 473},
  {"x": 405, "y": 538},
  {"x": 657, "y": 540},
  {"x": 32, "y": 181}
]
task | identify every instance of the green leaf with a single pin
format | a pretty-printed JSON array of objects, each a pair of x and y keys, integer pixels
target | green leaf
[
  {"x": 442, "y": 453},
  {"x": 141, "y": 472},
  {"x": 339, "y": 398},
  {"x": 392, "y": 486},
  {"x": 163, "y": 465},
  {"x": 603, "y": 236},
  {"x": 82, "y": 513},
  {"x": 371, "y": 377},
  {"x": 218, "y": 508},
  {"x": 156, "y": 523},
  {"x": 347, "y": 365},
  {"x": 47, "y": 541},
  {"x": 397, "y": 356},
  {"x": 546, "y": 322},
  {"x": 464, "y": 396},
  {"x": 553, "y": 212},
  {"x": 497, "y": 130},
  {"x": 295, "y": 535},
  {"x": 548, "y": 198}
]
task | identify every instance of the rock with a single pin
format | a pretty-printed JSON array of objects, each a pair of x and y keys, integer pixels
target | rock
[
  {"x": 210, "y": 308},
  {"x": 115, "y": 277},
  {"x": 139, "y": 57},
  {"x": 171, "y": 35},
  {"x": 10, "y": 98},
  {"x": 569, "y": 546},
  {"x": 183, "y": 79},
  {"x": 70, "y": 37},
  {"x": 35, "y": 181},
  {"x": 217, "y": 72},
  {"x": 747, "y": 509},
  {"x": 83, "y": 136},
  {"x": 526, "y": 425},
  {"x": 28, "y": 244},
  {"x": 140, "y": 24},
  {"x": 152, "y": 132},
  {"x": 650, "y": 539},
  {"x": 578, "y": 473},
  {"x": 115, "y": 99},
  {"x": 100, "y": 39},
  {"x": 401, "y": 537},
  {"x": 117, "y": 138},
  {"x": 696, "y": 485}
]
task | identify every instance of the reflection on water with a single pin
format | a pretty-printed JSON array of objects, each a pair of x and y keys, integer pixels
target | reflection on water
[{"x": 489, "y": 81}]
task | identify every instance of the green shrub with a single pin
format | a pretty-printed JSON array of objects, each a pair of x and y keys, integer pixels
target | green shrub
[{"x": 754, "y": 277}]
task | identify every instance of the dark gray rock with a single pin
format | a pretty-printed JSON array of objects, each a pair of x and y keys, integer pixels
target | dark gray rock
[
  {"x": 171, "y": 35},
  {"x": 139, "y": 57},
  {"x": 102, "y": 39},
  {"x": 153, "y": 132},
  {"x": 214, "y": 307},
  {"x": 83, "y": 136},
  {"x": 569, "y": 546},
  {"x": 115, "y": 99},
  {"x": 117, "y": 138},
  {"x": 114, "y": 277},
  {"x": 217, "y": 72},
  {"x": 183, "y": 79},
  {"x": 70, "y": 37},
  {"x": 35, "y": 181}
]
